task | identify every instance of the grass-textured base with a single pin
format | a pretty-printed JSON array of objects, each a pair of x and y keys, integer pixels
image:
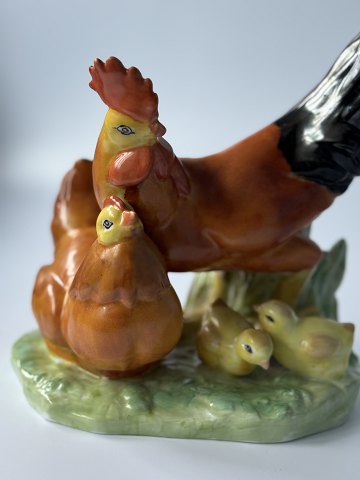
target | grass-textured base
[{"x": 183, "y": 398}]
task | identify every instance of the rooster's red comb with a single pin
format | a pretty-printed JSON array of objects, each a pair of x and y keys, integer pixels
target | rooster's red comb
[{"x": 126, "y": 91}]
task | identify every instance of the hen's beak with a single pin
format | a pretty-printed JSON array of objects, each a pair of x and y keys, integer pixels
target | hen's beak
[{"x": 128, "y": 218}]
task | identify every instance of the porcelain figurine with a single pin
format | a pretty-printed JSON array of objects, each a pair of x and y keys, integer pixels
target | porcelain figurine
[
  {"x": 312, "y": 346},
  {"x": 264, "y": 190},
  {"x": 121, "y": 314},
  {"x": 107, "y": 311},
  {"x": 73, "y": 230},
  {"x": 227, "y": 341}
]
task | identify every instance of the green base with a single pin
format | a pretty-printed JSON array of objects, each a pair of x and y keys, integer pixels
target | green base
[{"x": 183, "y": 398}]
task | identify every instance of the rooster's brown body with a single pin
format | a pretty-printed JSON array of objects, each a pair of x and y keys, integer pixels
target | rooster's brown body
[{"x": 243, "y": 208}]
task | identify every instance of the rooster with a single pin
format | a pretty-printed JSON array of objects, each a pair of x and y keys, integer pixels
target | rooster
[{"x": 245, "y": 207}]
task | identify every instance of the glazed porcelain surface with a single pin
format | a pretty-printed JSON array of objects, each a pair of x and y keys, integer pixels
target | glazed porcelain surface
[
  {"x": 257, "y": 354},
  {"x": 183, "y": 398}
]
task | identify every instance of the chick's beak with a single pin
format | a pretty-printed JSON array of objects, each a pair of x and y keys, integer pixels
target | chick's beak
[
  {"x": 257, "y": 308},
  {"x": 265, "y": 364}
]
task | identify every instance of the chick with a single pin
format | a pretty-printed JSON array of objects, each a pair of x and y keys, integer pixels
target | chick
[
  {"x": 121, "y": 314},
  {"x": 228, "y": 342},
  {"x": 311, "y": 346}
]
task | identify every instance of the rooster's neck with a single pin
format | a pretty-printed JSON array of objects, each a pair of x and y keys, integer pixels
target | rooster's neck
[{"x": 105, "y": 154}]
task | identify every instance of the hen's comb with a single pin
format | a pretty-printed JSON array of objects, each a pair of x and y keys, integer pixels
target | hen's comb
[
  {"x": 116, "y": 202},
  {"x": 126, "y": 91}
]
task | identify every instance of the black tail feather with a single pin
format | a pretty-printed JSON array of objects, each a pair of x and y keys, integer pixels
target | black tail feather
[{"x": 320, "y": 137}]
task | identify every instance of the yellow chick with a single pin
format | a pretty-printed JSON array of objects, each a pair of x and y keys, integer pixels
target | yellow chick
[
  {"x": 228, "y": 342},
  {"x": 311, "y": 346}
]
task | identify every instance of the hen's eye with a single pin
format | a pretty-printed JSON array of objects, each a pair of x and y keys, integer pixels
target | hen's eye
[
  {"x": 248, "y": 348},
  {"x": 125, "y": 130},
  {"x": 107, "y": 224},
  {"x": 269, "y": 318}
]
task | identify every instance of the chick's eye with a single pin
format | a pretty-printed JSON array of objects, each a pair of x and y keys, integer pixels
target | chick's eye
[
  {"x": 125, "y": 130},
  {"x": 269, "y": 318},
  {"x": 107, "y": 224},
  {"x": 248, "y": 348}
]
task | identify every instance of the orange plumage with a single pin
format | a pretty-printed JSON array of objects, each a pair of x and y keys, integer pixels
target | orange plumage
[
  {"x": 243, "y": 208},
  {"x": 73, "y": 230}
]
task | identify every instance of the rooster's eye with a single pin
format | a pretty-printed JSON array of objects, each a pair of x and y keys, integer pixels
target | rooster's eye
[
  {"x": 125, "y": 130},
  {"x": 107, "y": 224}
]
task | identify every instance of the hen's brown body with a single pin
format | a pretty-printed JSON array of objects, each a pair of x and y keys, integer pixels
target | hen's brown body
[
  {"x": 121, "y": 313},
  {"x": 73, "y": 230}
]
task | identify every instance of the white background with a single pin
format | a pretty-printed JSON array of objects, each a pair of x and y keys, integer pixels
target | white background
[{"x": 222, "y": 71}]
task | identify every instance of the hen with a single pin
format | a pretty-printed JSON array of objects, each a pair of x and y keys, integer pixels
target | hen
[
  {"x": 73, "y": 230},
  {"x": 121, "y": 314}
]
